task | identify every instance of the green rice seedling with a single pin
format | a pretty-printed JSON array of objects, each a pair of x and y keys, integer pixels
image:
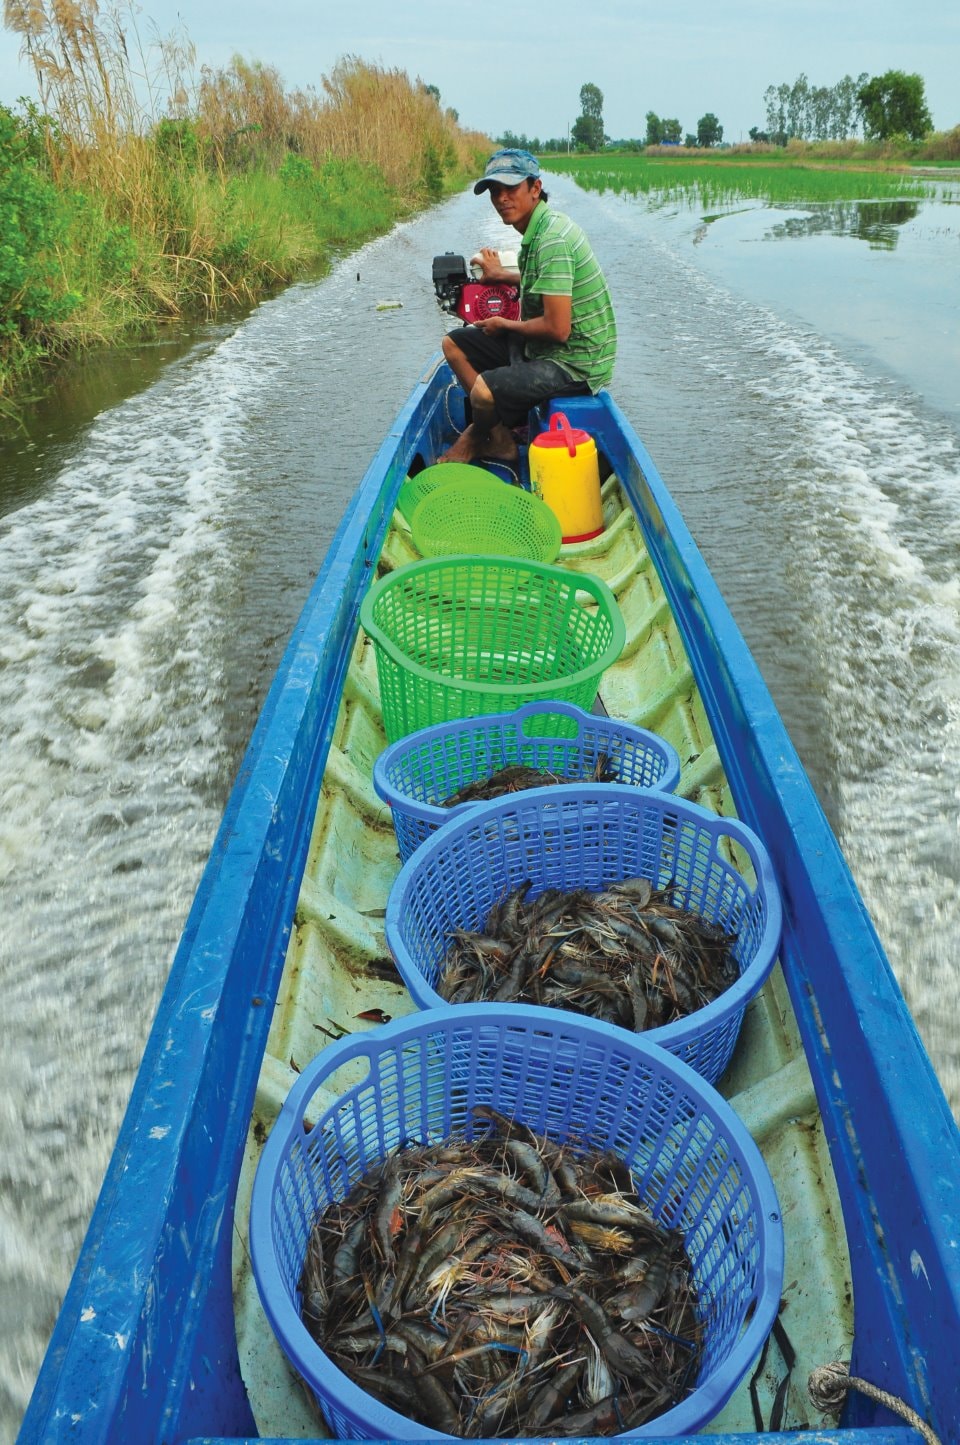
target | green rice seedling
[{"x": 713, "y": 184}]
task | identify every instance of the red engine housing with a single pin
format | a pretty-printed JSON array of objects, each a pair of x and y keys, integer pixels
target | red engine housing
[{"x": 479, "y": 300}]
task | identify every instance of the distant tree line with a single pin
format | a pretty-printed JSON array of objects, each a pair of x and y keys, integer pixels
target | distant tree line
[
  {"x": 890, "y": 104},
  {"x": 802, "y": 111},
  {"x": 587, "y": 133},
  {"x": 884, "y": 106},
  {"x": 532, "y": 143}
]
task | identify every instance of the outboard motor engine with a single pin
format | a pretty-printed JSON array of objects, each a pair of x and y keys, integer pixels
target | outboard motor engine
[{"x": 472, "y": 299}]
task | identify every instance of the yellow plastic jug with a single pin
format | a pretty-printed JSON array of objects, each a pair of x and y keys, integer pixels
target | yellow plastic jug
[{"x": 565, "y": 473}]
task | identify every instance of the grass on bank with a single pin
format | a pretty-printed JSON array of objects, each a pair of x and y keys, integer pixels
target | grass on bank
[
  {"x": 120, "y": 210},
  {"x": 938, "y": 148}
]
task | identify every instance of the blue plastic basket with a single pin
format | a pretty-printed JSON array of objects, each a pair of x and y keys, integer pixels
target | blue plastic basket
[
  {"x": 415, "y": 774},
  {"x": 581, "y": 835},
  {"x": 695, "y": 1166}
]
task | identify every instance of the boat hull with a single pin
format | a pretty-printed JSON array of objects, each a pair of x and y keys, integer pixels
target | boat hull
[{"x": 146, "y": 1346}]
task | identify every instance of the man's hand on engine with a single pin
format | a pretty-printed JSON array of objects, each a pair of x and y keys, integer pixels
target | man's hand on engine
[
  {"x": 488, "y": 260},
  {"x": 496, "y": 323}
]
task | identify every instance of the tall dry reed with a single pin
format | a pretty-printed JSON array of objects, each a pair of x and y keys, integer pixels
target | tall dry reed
[
  {"x": 366, "y": 113},
  {"x": 106, "y": 91},
  {"x": 177, "y": 193},
  {"x": 101, "y": 86}
]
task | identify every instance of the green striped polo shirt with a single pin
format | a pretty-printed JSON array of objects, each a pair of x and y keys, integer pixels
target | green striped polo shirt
[{"x": 556, "y": 260}]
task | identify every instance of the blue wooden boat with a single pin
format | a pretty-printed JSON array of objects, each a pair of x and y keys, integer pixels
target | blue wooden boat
[{"x": 161, "y": 1336}]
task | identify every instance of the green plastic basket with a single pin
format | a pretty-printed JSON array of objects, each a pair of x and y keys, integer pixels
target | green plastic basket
[
  {"x": 459, "y": 637},
  {"x": 436, "y": 478},
  {"x": 500, "y": 521}
]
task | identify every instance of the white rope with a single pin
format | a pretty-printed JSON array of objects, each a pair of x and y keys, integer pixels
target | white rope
[
  {"x": 827, "y": 1387},
  {"x": 507, "y": 468},
  {"x": 457, "y": 431}
]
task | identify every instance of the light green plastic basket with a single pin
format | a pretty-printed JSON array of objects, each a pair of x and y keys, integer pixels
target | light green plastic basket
[
  {"x": 459, "y": 637},
  {"x": 437, "y": 478},
  {"x": 498, "y": 521}
]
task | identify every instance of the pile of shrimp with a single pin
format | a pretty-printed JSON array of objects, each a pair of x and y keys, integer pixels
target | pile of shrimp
[
  {"x": 627, "y": 955},
  {"x": 504, "y": 1285},
  {"x": 517, "y": 777}
]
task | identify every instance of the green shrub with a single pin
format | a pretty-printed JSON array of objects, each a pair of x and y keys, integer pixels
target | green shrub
[
  {"x": 431, "y": 172},
  {"x": 34, "y": 218},
  {"x": 296, "y": 170},
  {"x": 354, "y": 200},
  {"x": 233, "y": 255},
  {"x": 117, "y": 253},
  {"x": 177, "y": 142}
]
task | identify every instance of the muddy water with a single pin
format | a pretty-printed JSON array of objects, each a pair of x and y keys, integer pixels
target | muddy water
[{"x": 162, "y": 519}]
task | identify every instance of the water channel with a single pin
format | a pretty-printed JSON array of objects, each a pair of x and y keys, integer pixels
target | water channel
[{"x": 164, "y": 513}]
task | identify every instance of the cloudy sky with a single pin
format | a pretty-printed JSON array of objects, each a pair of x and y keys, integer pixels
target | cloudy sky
[{"x": 520, "y": 67}]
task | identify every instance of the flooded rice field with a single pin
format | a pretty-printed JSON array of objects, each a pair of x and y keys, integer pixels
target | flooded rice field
[{"x": 792, "y": 373}]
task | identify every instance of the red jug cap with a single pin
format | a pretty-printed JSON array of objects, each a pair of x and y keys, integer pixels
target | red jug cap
[{"x": 561, "y": 434}]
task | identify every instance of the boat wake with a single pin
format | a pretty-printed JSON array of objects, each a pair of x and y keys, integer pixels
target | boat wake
[
  {"x": 826, "y": 500},
  {"x": 110, "y": 791}
]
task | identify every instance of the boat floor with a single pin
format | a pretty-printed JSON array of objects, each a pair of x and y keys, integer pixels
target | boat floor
[{"x": 338, "y": 934}]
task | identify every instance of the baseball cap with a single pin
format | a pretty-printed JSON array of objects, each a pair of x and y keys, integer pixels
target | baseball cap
[{"x": 508, "y": 168}]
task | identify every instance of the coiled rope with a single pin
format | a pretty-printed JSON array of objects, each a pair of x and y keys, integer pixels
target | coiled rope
[
  {"x": 827, "y": 1387},
  {"x": 452, "y": 386},
  {"x": 513, "y": 472}
]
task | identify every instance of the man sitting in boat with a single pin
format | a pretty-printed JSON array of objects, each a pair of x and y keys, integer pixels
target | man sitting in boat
[{"x": 565, "y": 341}]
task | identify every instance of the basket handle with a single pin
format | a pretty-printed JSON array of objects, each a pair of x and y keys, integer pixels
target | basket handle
[
  {"x": 542, "y": 709},
  {"x": 762, "y": 866},
  {"x": 558, "y": 422}
]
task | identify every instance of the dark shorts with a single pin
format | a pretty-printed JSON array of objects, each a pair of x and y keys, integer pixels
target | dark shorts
[{"x": 515, "y": 383}]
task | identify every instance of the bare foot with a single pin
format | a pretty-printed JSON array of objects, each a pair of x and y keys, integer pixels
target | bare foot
[
  {"x": 500, "y": 446},
  {"x": 464, "y": 448}
]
